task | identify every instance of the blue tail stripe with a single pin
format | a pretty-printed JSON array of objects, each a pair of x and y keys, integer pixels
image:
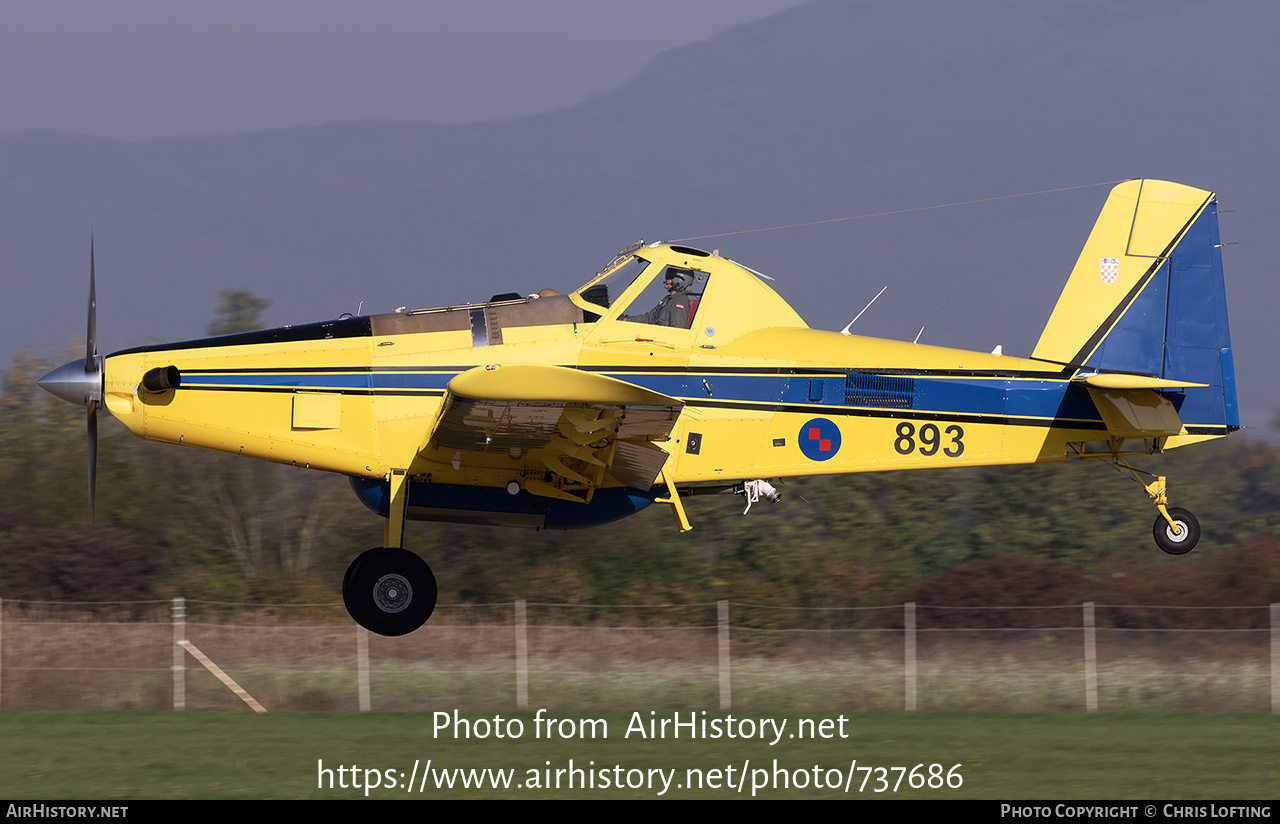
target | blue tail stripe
[
  {"x": 1136, "y": 342},
  {"x": 1177, "y": 328}
]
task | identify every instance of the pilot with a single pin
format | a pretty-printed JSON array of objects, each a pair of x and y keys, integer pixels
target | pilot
[{"x": 676, "y": 308}]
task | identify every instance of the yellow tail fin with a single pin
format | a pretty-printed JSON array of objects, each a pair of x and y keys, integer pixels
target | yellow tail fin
[{"x": 1139, "y": 226}]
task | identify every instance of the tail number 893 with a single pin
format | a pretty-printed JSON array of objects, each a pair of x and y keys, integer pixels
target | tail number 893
[{"x": 929, "y": 440}]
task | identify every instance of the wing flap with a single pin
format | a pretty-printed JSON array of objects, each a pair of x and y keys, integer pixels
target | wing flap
[
  {"x": 563, "y": 431},
  {"x": 637, "y": 463}
]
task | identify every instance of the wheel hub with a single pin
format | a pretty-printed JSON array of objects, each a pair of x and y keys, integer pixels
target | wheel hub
[{"x": 392, "y": 593}]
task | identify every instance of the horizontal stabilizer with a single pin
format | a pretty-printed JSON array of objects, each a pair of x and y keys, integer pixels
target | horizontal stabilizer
[{"x": 1135, "y": 382}]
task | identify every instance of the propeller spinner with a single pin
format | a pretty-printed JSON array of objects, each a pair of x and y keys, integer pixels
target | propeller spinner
[{"x": 80, "y": 381}]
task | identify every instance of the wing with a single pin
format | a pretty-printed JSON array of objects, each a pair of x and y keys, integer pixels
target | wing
[{"x": 565, "y": 432}]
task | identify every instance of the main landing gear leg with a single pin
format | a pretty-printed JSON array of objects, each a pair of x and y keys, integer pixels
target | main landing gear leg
[
  {"x": 1176, "y": 530},
  {"x": 389, "y": 590},
  {"x": 673, "y": 498},
  {"x": 393, "y": 531}
]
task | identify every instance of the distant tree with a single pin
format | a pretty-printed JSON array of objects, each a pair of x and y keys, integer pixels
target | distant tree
[
  {"x": 79, "y": 563},
  {"x": 42, "y": 447},
  {"x": 238, "y": 311},
  {"x": 1003, "y": 581},
  {"x": 272, "y": 520}
]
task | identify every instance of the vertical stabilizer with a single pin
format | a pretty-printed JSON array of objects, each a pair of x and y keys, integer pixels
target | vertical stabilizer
[{"x": 1147, "y": 297}]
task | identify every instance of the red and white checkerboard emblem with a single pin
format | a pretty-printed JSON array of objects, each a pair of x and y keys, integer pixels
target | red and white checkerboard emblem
[{"x": 1108, "y": 269}]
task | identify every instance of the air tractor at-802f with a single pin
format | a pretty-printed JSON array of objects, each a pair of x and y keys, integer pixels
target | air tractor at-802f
[{"x": 676, "y": 371}]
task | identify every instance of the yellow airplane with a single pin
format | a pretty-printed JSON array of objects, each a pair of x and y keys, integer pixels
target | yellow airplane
[{"x": 555, "y": 411}]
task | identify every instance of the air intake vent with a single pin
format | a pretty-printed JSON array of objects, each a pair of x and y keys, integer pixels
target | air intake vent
[{"x": 879, "y": 391}]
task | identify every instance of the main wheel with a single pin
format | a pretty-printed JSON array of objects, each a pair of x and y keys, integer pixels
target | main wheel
[
  {"x": 389, "y": 591},
  {"x": 1182, "y": 542}
]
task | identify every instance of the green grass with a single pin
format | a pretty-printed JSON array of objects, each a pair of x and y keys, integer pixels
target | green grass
[{"x": 137, "y": 754}]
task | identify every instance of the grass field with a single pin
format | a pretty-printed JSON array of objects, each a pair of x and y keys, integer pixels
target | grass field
[
  {"x": 73, "y": 665},
  {"x": 139, "y": 754}
]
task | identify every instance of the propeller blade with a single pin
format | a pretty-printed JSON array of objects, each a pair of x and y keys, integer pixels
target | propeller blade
[
  {"x": 80, "y": 381},
  {"x": 91, "y": 366},
  {"x": 91, "y": 335}
]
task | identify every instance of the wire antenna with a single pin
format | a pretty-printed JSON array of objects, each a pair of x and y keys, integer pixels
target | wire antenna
[
  {"x": 845, "y": 331},
  {"x": 902, "y": 211},
  {"x": 926, "y": 323}
]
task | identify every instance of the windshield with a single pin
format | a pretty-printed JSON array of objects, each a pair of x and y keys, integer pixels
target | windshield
[{"x": 604, "y": 291}]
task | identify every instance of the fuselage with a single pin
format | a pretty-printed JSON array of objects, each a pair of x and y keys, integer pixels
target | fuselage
[{"x": 764, "y": 395}]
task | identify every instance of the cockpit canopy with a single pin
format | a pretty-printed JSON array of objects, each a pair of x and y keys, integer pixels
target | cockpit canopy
[
  {"x": 657, "y": 286},
  {"x": 683, "y": 287}
]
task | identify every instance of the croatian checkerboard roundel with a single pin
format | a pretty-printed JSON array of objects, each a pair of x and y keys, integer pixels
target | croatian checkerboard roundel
[
  {"x": 819, "y": 439},
  {"x": 1108, "y": 269}
]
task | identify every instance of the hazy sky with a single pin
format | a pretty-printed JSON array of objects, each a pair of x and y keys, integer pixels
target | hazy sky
[
  {"x": 131, "y": 69},
  {"x": 141, "y": 69}
]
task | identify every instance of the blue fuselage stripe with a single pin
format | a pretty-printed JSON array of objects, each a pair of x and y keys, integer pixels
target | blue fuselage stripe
[
  {"x": 997, "y": 398},
  {"x": 1027, "y": 401}
]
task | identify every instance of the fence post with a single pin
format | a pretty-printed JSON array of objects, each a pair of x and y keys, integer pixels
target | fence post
[
  {"x": 909, "y": 654},
  {"x": 1090, "y": 660},
  {"x": 362, "y": 667},
  {"x": 722, "y": 635},
  {"x": 179, "y": 635},
  {"x": 1275, "y": 659},
  {"x": 522, "y": 657}
]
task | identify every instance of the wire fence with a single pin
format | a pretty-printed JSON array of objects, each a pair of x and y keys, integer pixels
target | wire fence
[{"x": 184, "y": 654}]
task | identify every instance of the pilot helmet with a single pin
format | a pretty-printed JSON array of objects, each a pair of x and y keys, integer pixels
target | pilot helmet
[{"x": 681, "y": 279}]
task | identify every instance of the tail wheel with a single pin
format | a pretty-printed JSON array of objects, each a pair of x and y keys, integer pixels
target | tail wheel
[
  {"x": 389, "y": 591},
  {"x": 1185, "y": 539}
]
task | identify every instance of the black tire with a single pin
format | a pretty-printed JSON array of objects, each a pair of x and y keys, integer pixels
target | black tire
[
  {"x": 389, "y": 591},
  {"x": 351, "y": 568},
  {"x": 1183, "y": 542}
]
